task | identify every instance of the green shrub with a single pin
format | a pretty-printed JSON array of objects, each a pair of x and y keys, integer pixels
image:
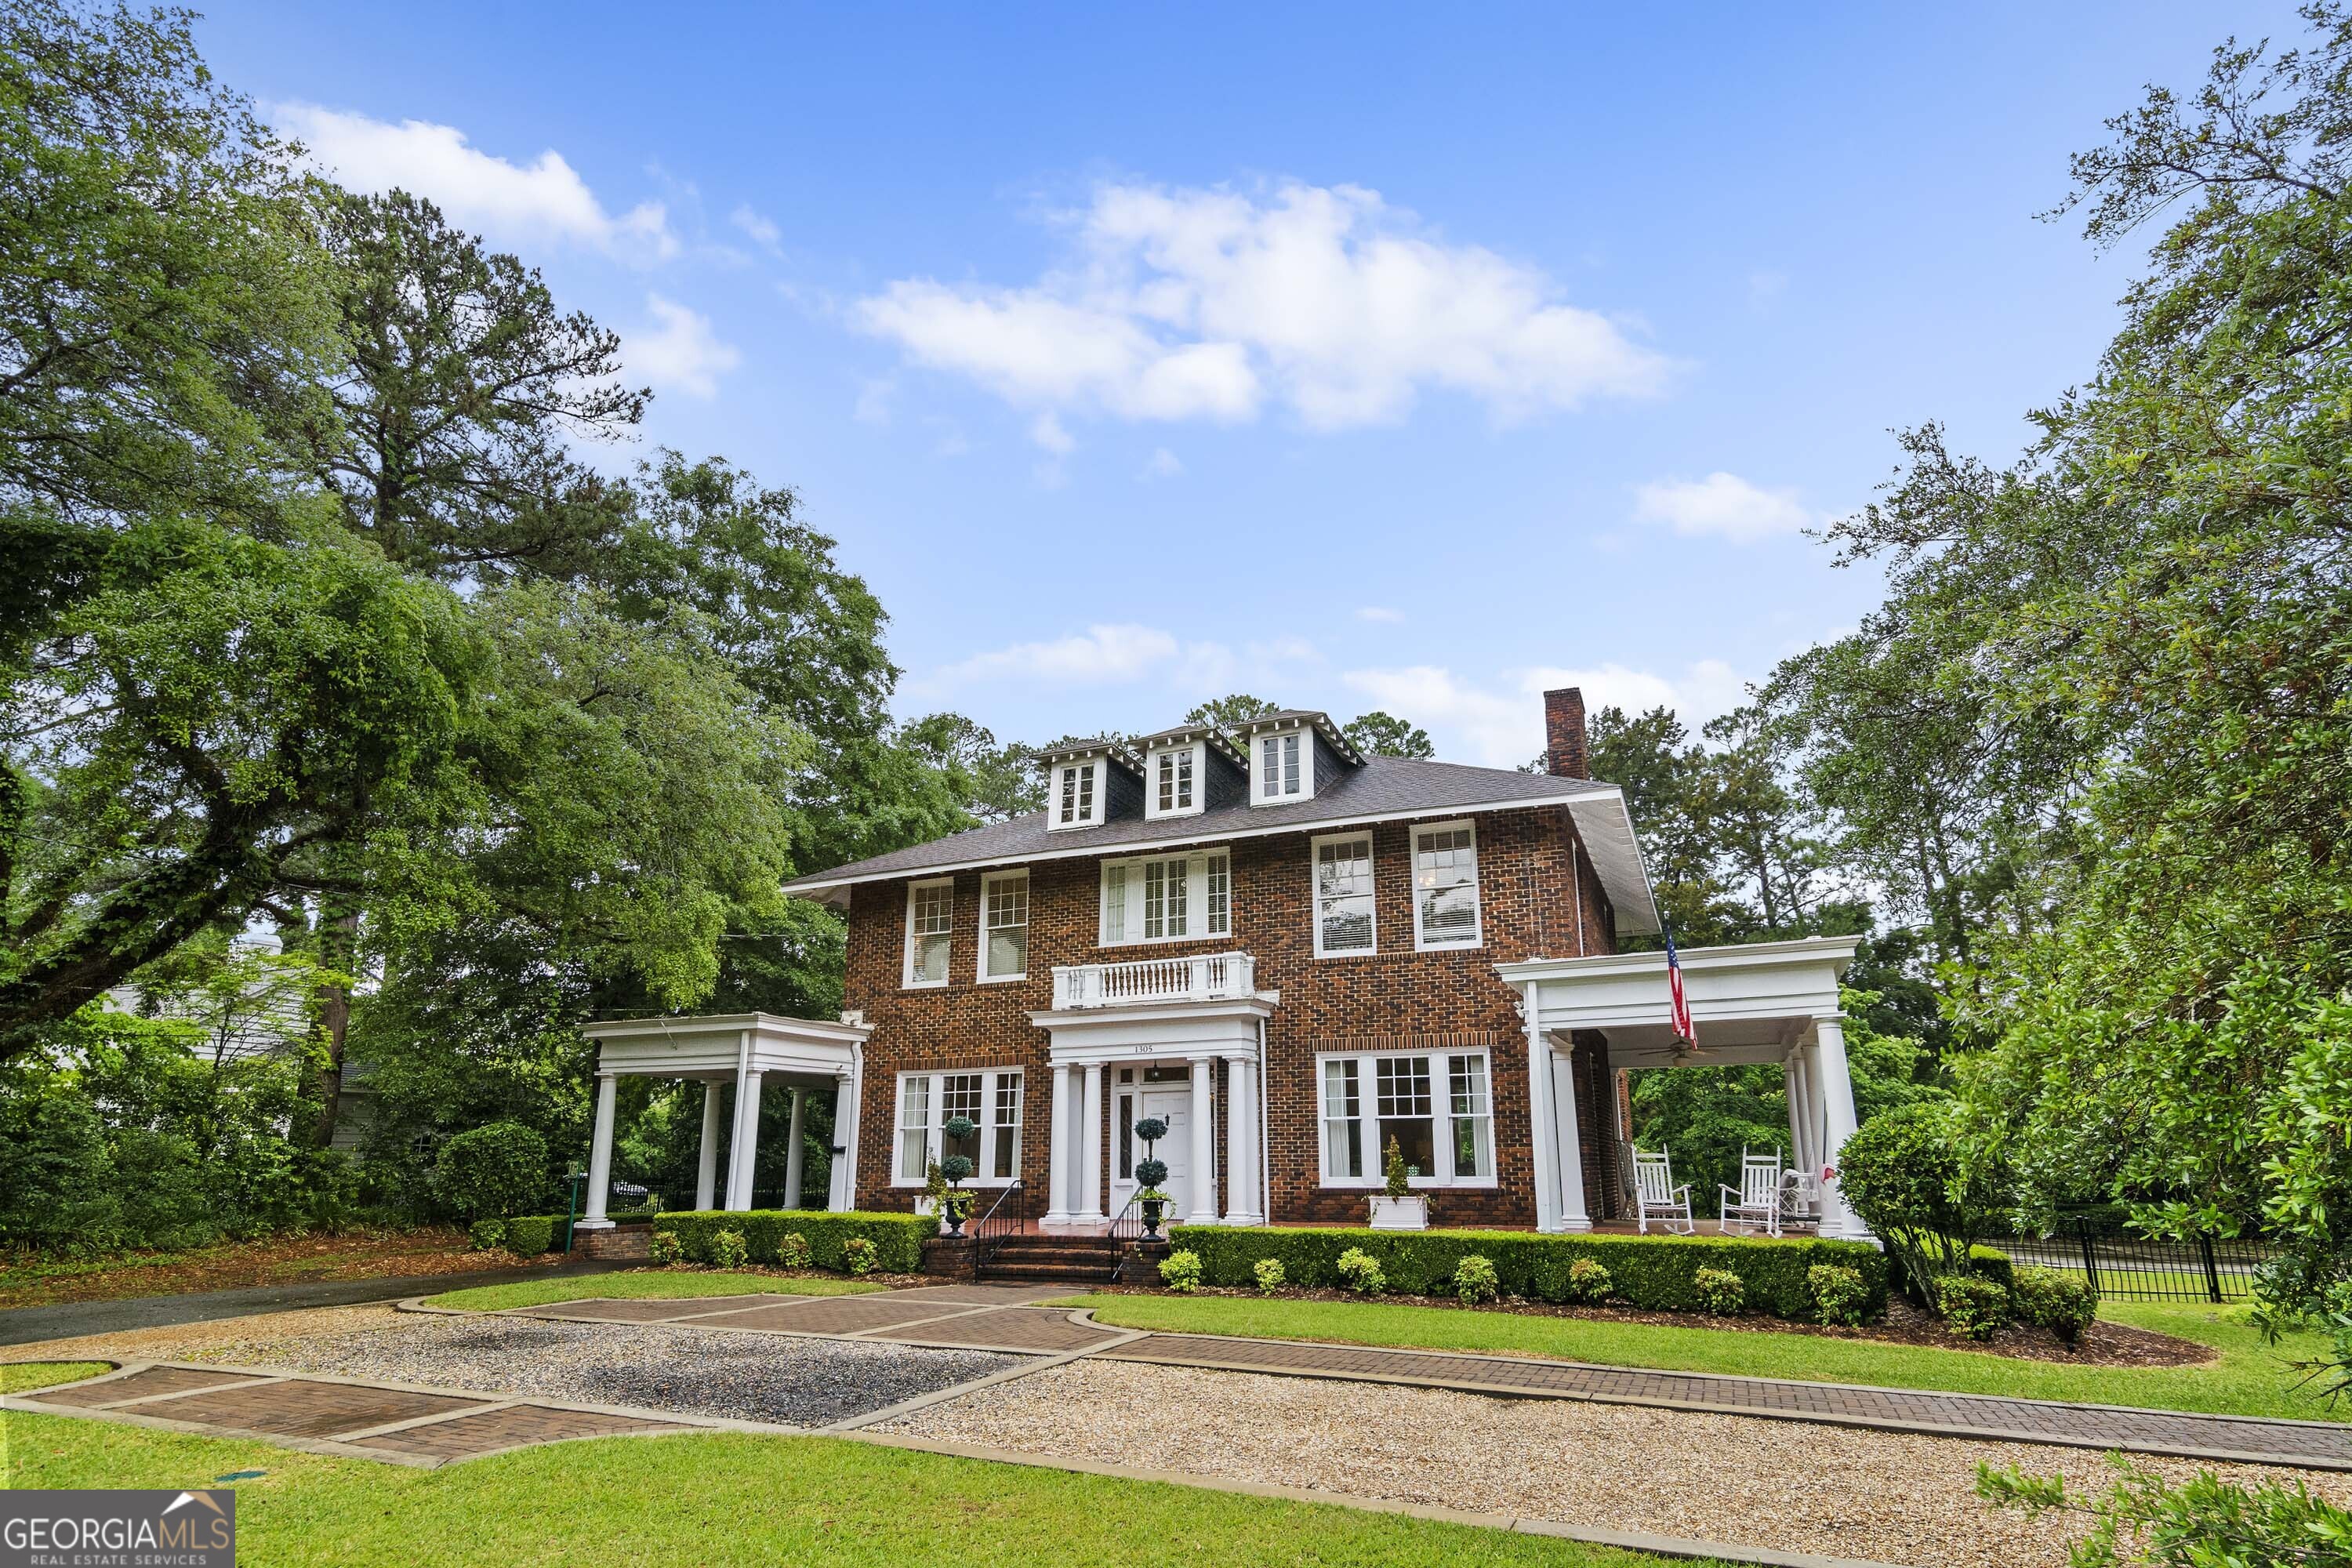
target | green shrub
[
  {"x": 490, "y": 1172},
  {"x": 1654, "y": 1273},
  {"x": 1181, "y": 1273},
  {"x": 1976, "y": 1307},
  {"x": 1720, "y": 1291},
  {"x": 2064, "y": 1303},
  {"x": 2204, "y": 1521},
  {"x": 1840, "y": 1297},
  {"x": 1474, "y": 1280},
  {"x": 664, "y": 1250},
  {"x": 1588, "y": 1281},
  {"x": 793, "y": 1251},
  {"x": 859, "y": 1253},
  {"x": 1361, "y": 1272},
  {"x": 1914, "y": 1177},
  {"x": 1396, "y": 1180},
  {"x": 728, "y": 1250},
  {"x": 1993, "y": 1264},
  {"x": 487, "y": 1235},
  {"x": 530, "y": 1235},
  {"x": 1267, "y": 1272},
  {"x": 898, "y": 1239}
]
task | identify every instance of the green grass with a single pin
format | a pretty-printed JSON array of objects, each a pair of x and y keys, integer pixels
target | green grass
[
  {"x": 651, "y": 1282},
  {"x": 735, "y": 1499},
  {"x": 2249, "y": 1378},
  {"x": 23, "y": 1376}
]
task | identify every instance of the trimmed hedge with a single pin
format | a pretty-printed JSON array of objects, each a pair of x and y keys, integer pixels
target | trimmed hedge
[
  {"x": 1653, "y": 1272},
  {"x": 898, "y": 1239},
  {"x": 530, "y": 1235}
]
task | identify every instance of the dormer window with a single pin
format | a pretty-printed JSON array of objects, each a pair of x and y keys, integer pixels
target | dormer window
[
  {"x": 1173, "y": 782},
  {"x": 1283, "y": 764},
  {"x": 1076, "y": 796}
]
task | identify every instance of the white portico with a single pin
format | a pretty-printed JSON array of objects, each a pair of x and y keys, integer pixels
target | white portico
[
  {"x": 749, "y": 1050},
  {"x": 1769, "y": 1002},
  {"x": 1149, "y": 1035}
]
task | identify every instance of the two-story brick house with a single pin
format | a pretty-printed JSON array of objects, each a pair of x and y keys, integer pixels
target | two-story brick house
[{"x": 1290, "y": 952}]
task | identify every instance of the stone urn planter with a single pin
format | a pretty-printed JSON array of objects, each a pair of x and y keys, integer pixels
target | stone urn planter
[{"x": 1408, "y": 1213}]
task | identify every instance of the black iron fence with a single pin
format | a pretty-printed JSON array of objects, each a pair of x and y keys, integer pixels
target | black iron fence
[{"x": 2136, "y": 1268}]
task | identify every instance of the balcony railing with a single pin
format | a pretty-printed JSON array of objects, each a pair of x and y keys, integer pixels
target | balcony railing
[{"x": 1209, "y": 977}]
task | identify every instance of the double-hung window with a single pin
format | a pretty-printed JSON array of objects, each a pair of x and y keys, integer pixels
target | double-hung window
[
  {"x": 1004, "y": 926},
  {"x": 988, "y": 1098},
  {"x": 931, "y": 926},
  {"x": 1436, "y": 1106},
  {"x": 1344, "y": 921},
  {"x": 1167, "y": 898},
  {"x": 1282, "y": 763},
  {"x": 1445, "y": 886}
]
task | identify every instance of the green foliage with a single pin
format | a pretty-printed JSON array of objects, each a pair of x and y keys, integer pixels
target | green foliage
[
  {"x": 489, "y": 1172},
  {"x": 1180, "y": 1271},
  {"x": 1590, "y": 1282},
  {"x": 487, "y": 1235},
  {"x": 1361, "y": 1272},
  {"x": 1913, "y": 1176},
  {"x": 529, "y": 1235},
  {"x": 1976, "y": 1307},
  {"x": 1227, "y": 712},
  {"x": 1382, "y": 734},
  {"x": 1650, "y": 1272},
  {"x": 727, "y": 1249},
  {"x": 1840, "y": 1296},
  {"x": 1474, "y": 1280},
  {"x": 1267, "y": 1272},
  {"x": 1721, "y": 1292},
  {"x": 2202, "y": 1523},
  {"x": 858, "y": 1253},
  {"x": 664, "y": 1250},
  {"x": 1396, "y": 1181},
  {"x": 897, "y": 1238},
  {"x": 935, "y": 1181},
  {"x": 793, "y": 1251},
  {"x": 2064, "y": 1303}
]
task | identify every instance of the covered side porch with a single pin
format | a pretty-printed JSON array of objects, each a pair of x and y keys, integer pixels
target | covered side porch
[
  {"x": 750, "y": 1051},
  {"x": 1764, "y": 1003}
]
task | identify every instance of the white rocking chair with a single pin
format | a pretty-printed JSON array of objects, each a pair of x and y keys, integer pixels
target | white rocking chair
[
  {"x": 1756, "y": 1200},
  {"x": 1655, "y": 1196}
]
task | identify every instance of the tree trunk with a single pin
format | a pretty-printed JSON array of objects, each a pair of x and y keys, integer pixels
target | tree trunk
[{"x": 338, "y": 952}]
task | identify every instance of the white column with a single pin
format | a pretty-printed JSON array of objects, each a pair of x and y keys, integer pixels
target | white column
[
  {"x": 1542, "y": 1140},
  {"x": 795, "y": 1156},
  {"x": 1793, "y": 1082},
  {"x": 848, "y": 1106},
  {"x": 600, "y": 1159},
  {"x": 1572, "y": 1213},
  {"x": 1242, "y": 1205},
  {"x": 1809, "y": 1076},
  {"x": 746, "y": 1147},
  {"x": 706, "y": 1179},
  {"x": 1204, "y": 1175},
  {"x": 1058, "y": 1155},
  {"x": 1090, "y": 1146},
  {"x": 1838, "y": 1125}
]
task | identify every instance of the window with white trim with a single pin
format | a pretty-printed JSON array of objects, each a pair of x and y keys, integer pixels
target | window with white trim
[
  {"x": 1445, "y": 886},
  {"x": 1285, "y": 764},
  {"x": 1344, "y": 919},
  {"x": 1076, "y": 794},
  {"x": 1004, "y": 926},
  {"x": 988, "y": 1098},
  {"x": 1437, "y": 1106},
  {"x": 1173, "y": 781},
  {"x": 931, "y": 926},
  {"x": 1167, "y": 898}
]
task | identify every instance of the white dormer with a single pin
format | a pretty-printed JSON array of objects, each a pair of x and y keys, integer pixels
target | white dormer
[
  {"x": 1190, "y": 770},
  {"x": 1291, "y": 753}
]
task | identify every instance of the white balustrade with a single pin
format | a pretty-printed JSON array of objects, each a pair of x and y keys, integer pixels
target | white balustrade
[{"x": 1203, "y": 977}]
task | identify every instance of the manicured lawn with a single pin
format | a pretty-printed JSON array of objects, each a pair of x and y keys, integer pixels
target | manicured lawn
[
  {"x": 652, "y": 1282},
  {"x": 23, "y": 1376},
  {"x": 2250, "y": 1379},
  {"x": 730, "y": 1498}
]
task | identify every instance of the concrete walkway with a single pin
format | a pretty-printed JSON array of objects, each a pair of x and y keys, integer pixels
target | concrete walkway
[{"x": 1000, "y": 1317}]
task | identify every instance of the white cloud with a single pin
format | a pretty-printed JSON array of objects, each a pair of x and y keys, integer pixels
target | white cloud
[
  {"x": 873, "y": 406},
  {"x": 1048, "y": 431},
  {"x": 543, "y": 200},
  {"x": 1381, "y": 614},
  {"x": 1722, "y": 504},
  {"x": 762, "y": 229},
  {"x": 1127, "y": 654},
  {"x": 681, "y": 353},
  {"x": 1503, "y": 727},
  {"x": 1162, "y": 464},
  {"x": 1206, "y": 304}
]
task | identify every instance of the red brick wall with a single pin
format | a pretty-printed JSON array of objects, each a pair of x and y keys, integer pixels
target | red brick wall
[{"x": 1528, "y": 908}]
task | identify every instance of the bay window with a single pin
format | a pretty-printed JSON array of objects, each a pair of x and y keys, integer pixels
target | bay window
[
  {"x": 1004, "y": 926},
  {"x": 1445, "y": 886},
  {"x": 931, "y": 926},
  {"x": 1167, "y": 898},
  {"x": 990, "y": 1099},
  {"x": 1344, "y": 920},
  {"x": 1437, "y": 1107}
]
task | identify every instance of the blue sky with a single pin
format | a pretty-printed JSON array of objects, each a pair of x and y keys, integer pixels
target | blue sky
[{"x": 1327, "y": 354}]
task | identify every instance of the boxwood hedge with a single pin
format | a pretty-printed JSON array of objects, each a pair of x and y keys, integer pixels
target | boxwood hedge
[
  {"x": 898, "y": 1239},
  {"x": 1653, "y": 1272},
  {"x": 530, "y": 1235}
]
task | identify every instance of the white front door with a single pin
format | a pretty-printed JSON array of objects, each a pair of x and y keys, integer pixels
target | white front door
[{"x": 1142, "y": 1103}]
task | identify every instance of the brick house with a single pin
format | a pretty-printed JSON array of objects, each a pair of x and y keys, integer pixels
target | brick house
[{"x": 1289, "y": 951}]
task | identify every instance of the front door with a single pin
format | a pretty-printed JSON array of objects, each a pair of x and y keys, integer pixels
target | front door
[{"x": 1141, "y": 1103}]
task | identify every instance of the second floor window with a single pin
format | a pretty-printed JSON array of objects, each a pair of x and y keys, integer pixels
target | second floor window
[
  {"x": 1004, "y": 927},
  {"x": 1279, "y": 758},
  {"x": 930, "y": 925},
  {"x": 1076, "y": 785},
  {"x": 1343, "y": 895},
  {"x": 1175, "y": 780},
  {"x": 1167, "y": 898},
  {"x": 1445, "y": 886}
]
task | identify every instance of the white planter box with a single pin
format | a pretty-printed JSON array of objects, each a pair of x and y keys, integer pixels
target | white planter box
[{"x": 1409, "y": 1213}]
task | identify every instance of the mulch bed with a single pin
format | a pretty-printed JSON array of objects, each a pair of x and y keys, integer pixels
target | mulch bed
[
  {"x": 270, "y": 1260},
  {"x": 2102, "y": 1343}
]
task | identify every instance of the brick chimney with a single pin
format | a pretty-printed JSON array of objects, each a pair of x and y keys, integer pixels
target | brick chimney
[{"x": 1564, "y": 733}]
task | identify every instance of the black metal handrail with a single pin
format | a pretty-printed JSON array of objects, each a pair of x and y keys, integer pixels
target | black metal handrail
[
  {"x": 988, "y": 1233},
  {"x": 1129, "y": 1224}
]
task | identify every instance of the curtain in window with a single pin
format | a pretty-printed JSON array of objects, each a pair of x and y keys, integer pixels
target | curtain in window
[
  {"x": 1473, "y": 1116},
  {"x": 914, "y": 1126},
  {"x": 1343, "y": 1127}
]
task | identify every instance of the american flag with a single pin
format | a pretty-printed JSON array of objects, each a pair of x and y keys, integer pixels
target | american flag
[{"x": 1677, "y": 1004}]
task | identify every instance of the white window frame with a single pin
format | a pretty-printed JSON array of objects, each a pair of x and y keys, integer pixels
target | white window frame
[
  {"x": 1257, "y": 768},
  {"x": 1091, "y": 779},
  {"x": 988, "y": 885},
  {"x": 1135, "y": 872},
  {"x": 947, "y": 971},
  {"x": 1197, "y": 754},
  {"x": 1368, "y": 1118},
  {"x": 991, "y": 1129},
  {"x": 1315, "y": 891},
  {"x": 1477, "y": 937}
]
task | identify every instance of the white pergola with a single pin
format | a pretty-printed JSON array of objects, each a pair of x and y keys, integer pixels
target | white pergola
[
  {"x": 746, "y": 1049},
  {"x": 1769, "y": 1002}
]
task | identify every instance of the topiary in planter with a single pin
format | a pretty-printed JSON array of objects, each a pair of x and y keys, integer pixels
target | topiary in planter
[
  {"x": 1720, "y": 1291},
  {"x": 1395, "y": 1178}
]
